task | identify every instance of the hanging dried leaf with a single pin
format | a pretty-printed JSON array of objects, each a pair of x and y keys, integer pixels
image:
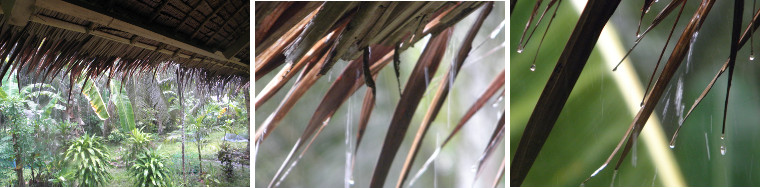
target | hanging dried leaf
[{"x": 415, "y": 88}]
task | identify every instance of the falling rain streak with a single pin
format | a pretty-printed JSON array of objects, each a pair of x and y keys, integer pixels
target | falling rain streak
[
  {"x": 614, "y": 175},
  {"x": 498, "y": 29},
  {"x": 707, "y": 146},
  {"x": 348, "y": 177},
  {"x": 425, "y": 166}
]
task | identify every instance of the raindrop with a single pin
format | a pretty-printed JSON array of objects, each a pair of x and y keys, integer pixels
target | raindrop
[
  {"x": 722, "y": 150},
  {"x": 672, "y": 146},
  {"x": 519, "y": 50},
  {"x": 723, "y": 144},
  {"x": 752, "y": 57},
  {"x": 638, "y": 36},
  {"x": 496, "y": 104},
  {"x": 533, "y": 67}
]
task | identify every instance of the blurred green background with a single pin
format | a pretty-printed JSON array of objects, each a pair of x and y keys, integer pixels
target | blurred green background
[
  {"x": 595, "y": 118},
  {"x": 324, "y": 162}
]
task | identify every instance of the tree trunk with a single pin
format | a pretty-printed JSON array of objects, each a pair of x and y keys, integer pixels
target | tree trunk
[
  {"x": 198, "y": 142},
  {"x": 160, "y": 126},
  {"x": 19, "y": 162},
  {"x": 182, "y": 122},
  {"x": 248, "y": 110}
]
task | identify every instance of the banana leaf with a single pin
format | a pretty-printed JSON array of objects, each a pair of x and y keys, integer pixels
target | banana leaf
[
  {"x": 92, "y": 93},
  {"x": 123, "y": 106}
]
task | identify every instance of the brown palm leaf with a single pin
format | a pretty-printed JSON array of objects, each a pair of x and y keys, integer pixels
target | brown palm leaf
[{"x": 345, "y": 30}]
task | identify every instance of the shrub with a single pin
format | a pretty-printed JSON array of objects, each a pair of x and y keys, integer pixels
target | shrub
[
  {"x": 150, "y": 171},
  {"x": 225, "y": 155},
  {"x": 90, "y": 158},
  {"x": 138, "y": 143},
  {"x": 116, "y": 136}
]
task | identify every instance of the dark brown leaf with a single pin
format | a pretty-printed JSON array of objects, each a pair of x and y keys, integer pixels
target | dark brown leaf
[
  {"x": 413, "y": 91},
  {"x": 442, "y": 92},
  {"x": 569, "y": 67}
]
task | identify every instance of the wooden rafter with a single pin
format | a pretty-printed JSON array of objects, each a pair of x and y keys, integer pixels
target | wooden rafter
[
  {"x": 18, "y": 11},
  {"x": 187, "y": 15},
  {"x": 213, "y": 33},
  {"x": 130, "y": 27},
  {"x": 238, "y": 45},
  {"x": 208, "y": 17},
  {"x": 156, "y": 12}
]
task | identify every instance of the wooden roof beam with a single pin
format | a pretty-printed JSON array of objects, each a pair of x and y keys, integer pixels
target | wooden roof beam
[
  {"x": 156, "y": 12},
  {"x": 208, "y": 17},
  {"x": 130, "y": 27},
  {"x": 215, "y": 32},
  {"x": 187, "y": 15},
  {"x": 238, "y": 45},
  {"x": 50, "y": 21},
  {"x": 18, "y": 11}
]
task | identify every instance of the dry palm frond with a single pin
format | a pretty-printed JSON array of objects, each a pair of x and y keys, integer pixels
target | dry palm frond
[
  {"x": 442, "y": 93},
  {"x": 410, "y": 98},
  {"x": 369, "y": 35}
]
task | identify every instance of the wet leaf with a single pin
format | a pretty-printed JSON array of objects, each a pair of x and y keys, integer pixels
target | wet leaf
[
  {"x": 443, "y": 91},
  {"x": 557, "y": 90},
  {"x": 413, "y": 92}
]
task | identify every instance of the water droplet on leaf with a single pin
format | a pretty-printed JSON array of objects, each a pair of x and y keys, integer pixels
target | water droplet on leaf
[
  {"x": 519, "y": 50},
  {"x": 752, "y": 57},
  {"x": 533, "y": 67},
  {"x": 672, "y": 146},
  {"x": 722, "y": 150}
]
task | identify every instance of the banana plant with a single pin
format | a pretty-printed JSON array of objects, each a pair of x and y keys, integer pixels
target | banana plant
[
  {"x": 124, "y": 106},
  {"x": 92, "y": 93}
]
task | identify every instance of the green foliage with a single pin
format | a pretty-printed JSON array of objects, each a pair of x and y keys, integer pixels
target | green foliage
[
  {"x": 138, "y": 142},
  {"x": 225, "y": 155},
  {"x": 91, "y": 160},
  {"x": 123, "y": 105},
  {"x": 92, "y": 93},
  {"x": 64, "y": 128},
  {"x": 149, "y": 171},
  {"x": 210, "y": 179},
  {"x": 200, "y": 129},
  {"x": 116, "y": 136}
]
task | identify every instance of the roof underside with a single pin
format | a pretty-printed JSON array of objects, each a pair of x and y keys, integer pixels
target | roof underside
[
  {"x": 303, "y": 32},
  {"x": 205, "y": 37}
]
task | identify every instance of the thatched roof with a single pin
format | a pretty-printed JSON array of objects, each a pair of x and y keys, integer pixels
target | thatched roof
[
  {"x": 289, "y": 31},
  {"x": 205, "y": 37}
]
